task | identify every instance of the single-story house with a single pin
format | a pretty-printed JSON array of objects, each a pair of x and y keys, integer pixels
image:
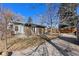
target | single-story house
[
  {"x": 34, "y": 29},
  {"x": 65, "y": 28},
  {"x": 18, "y": 27}
]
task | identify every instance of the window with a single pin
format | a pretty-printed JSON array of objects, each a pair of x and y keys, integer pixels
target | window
[
  {"x": 16, "y": 28},
  {"x": 11, "y": 26}
]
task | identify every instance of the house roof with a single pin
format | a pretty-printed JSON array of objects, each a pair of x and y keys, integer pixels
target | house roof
[
  {"x": 34, "y": 25},
  {"x": 62, "y": 25},
  {"x": 18, "y": 22},
  {"x": 28, "y": 24}
]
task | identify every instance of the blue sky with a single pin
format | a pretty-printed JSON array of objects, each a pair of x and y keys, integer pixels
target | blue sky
[
  {"x": 31, "y": 10},
  {"x": 27, "y": 10}
]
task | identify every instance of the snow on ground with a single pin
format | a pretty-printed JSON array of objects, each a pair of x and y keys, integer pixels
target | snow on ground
[
  {"x": 68, "y": 35},
  {"x": 72, "y": 49},
  {"x": 42, "y": 50},
  {"x": 48, "y": 49}
]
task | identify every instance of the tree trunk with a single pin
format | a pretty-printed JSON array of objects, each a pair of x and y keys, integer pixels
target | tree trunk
[{"x": 5, "y": 52}]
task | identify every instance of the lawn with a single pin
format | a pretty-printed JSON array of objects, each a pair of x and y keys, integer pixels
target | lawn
[{"x": 15, "y": 43}]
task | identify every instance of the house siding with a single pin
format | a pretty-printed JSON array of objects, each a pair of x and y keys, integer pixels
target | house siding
[{"x": 20, "y": 29}]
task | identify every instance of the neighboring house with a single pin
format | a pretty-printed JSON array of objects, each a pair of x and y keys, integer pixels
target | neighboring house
[{"x": 65, "y": 28}]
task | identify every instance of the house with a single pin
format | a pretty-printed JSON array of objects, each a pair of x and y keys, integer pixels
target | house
[
  {"x": 65, "y": 28},
  {"x": 18, "y": 27},
  {"x": 31, "y": 29}
]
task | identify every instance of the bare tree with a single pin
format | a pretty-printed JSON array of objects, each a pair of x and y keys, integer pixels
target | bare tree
[
  {"x": 42, "y": 18},
  {"x": 51, "y": 15},
  {"x": 5, "y": 18},
  {"x": 67, "y": 13}
]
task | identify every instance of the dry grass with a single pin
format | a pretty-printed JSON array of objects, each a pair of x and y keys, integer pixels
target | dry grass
[
  {"x": 20, "y": 43},
  {"x": 53, "y": 35}
]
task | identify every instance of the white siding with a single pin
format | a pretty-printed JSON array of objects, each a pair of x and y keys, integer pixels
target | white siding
[{"x": 20, "y": 29}]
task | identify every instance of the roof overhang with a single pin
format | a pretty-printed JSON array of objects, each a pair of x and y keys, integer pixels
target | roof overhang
[{"x": 34, "y": 25}]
